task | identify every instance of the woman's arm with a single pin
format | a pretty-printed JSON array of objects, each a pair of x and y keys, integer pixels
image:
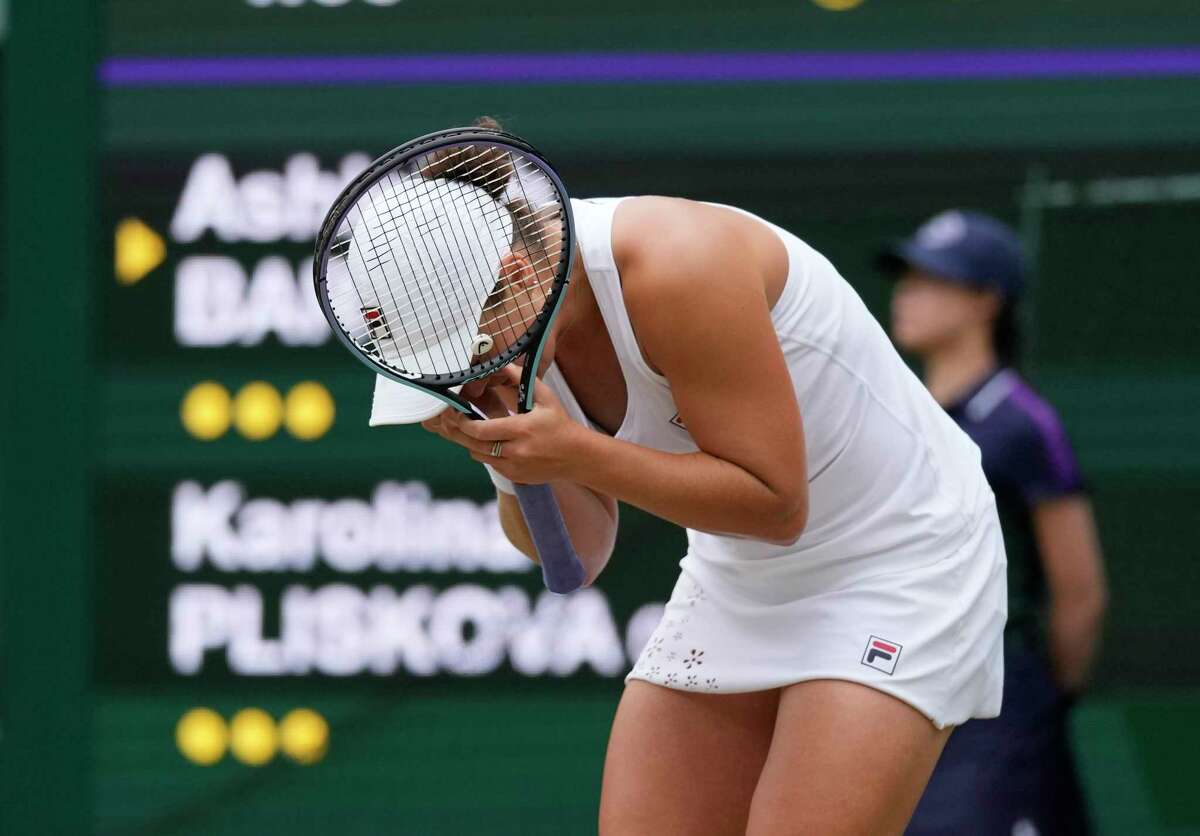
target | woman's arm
[
  {"x": 1074, "y": 569},
  {"x": 703, "y": 319},
  {"x": 591, "y": 520},
  {"x": 590, "y": 517}
]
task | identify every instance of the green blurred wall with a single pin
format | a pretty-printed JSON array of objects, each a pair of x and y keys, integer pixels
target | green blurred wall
[{"x": 49, "y": 123}]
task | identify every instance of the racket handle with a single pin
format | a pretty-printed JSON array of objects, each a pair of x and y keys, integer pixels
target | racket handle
[{"x": 562, "y": 570}]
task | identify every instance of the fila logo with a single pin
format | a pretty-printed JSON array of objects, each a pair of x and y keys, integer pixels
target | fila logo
[
  {"x": 677, "y": 421},
  {"x": 881, "y": 654},
  {"x": 377, "y": 324}
]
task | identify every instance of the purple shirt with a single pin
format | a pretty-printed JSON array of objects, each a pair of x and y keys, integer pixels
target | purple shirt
[{"x": 1027, "y": 459}]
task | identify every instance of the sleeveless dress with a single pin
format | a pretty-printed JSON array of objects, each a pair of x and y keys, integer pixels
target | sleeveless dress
[{"x": 898, "y": 580}]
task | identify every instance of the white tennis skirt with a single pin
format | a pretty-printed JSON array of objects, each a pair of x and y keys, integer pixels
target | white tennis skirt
[{"x": 932, "y": 636}]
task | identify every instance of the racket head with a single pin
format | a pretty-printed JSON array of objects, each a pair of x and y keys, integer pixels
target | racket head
[{"x": 414, "y": 265}]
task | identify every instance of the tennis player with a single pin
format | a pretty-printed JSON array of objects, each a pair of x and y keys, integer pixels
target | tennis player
[
  {"x": 960, "y": 279},
  {"x": 841, "y": 604}
]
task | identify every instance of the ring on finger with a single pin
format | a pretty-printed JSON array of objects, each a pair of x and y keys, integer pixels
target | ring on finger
[{"x": 497, "y": 448}]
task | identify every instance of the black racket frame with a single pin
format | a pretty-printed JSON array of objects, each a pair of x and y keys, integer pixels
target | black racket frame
[{"x": 440, "y": 385}]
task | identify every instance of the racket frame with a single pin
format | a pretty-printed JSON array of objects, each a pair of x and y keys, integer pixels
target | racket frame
[
  {"x": 562, "y": 570},
  {"x": 439, "y": 385}
]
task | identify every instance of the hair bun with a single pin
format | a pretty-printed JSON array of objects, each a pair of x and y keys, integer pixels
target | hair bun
[
  {"x": 489, "y": 170},
  {"x": 489, "y": 123}
]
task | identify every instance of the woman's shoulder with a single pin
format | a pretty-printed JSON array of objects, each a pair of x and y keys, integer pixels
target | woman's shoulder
[
  {"x": 658, "y": 210},
  {"x": 663, "y": 245},
  {"x": 671, "y": 233}
]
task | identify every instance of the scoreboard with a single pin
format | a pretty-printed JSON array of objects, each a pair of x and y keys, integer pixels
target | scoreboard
[{"x": 256, "y": 550}]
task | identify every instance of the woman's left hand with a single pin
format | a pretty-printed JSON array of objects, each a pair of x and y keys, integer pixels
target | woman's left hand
[{"x": 542, "y": 445}]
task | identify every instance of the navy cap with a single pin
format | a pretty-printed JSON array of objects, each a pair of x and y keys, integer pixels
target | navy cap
[{"x": 965, "y": 248}]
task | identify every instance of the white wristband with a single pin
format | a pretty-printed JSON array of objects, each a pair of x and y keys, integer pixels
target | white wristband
[{"x": 502, "y": 483}]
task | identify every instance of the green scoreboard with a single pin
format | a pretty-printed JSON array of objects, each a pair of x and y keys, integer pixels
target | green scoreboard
[{"x": 303, "y": 625}]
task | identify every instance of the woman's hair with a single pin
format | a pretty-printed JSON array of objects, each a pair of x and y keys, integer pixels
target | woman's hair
[
  {"x": 490, "y": 171},
  {"x": 1006, "y": 333}
]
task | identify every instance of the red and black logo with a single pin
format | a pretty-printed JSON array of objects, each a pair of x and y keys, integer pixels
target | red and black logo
[
  {"x": 881, "y": 654},
  {"x": 377, "y": 324}
]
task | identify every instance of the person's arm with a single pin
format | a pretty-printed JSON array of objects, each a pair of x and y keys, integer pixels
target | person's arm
[
  {"x": 1078, "y": 596},
  {"x": 590, "y": 517},
  {"x": 703, "y": 319},
  {"x": 1069, "y": 548},
  {"x": 591, "y": 521}
]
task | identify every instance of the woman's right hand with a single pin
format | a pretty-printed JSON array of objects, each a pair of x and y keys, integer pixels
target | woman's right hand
[
  {"x": 591, "y": 518},
  {"x": 493, "y": 395}
]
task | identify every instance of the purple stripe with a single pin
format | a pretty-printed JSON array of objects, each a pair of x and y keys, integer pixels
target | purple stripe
[
  {"x": 650, "y": 67},
  {"x": 1054, "y": 438}
]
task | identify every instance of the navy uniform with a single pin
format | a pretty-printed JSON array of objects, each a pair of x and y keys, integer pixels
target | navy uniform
[{"x": 1014, "y": 775}]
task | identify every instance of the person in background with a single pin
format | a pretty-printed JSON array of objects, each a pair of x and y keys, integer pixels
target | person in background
[{"x": 959, "y": 280}]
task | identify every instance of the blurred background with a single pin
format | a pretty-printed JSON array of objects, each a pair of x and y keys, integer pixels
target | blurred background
[{"x": 226, "y": 606}]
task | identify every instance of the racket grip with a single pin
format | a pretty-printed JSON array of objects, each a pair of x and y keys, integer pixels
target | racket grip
[{"x": 562, "y": 570}]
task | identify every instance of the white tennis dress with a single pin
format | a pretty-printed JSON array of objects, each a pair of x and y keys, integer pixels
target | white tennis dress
[{"x": 898, "y": 581}]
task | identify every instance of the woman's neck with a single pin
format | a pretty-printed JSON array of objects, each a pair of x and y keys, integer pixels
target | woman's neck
[
  {"x": 579, "y": 302},
  {"x": 953, "y": 369}
]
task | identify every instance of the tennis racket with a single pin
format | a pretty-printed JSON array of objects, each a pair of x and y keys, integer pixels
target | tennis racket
[{"x": 444, "y": 261}]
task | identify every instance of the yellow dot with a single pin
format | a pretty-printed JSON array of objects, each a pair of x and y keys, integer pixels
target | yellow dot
[
  {"x": 202, "y": 736},
  {"x": 138, "y": 250},
  {"x": 257, "y": 410},
  {"x": 309, "y": 410},
  {"x": 838, "y": 5},
  {"x": 205, "y": 410},
  {"x": 304, "y": 735},
  {"x": 253, "y": 738}
]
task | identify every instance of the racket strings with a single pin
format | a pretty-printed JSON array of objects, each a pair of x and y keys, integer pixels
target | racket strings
[
  {"x": 528, "y": 303},
  {"x": 526, "y": 308},
  {"x": 495, "y": 208},
  {"x": 365, "y": 309},
  {"x": 430, "y": 313},
  {"x": 429, "y": 326},
  {"x": 442, "y": 165},
  {"x": 542, "y": 265},
  {"x": 445, "y": 276}
]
